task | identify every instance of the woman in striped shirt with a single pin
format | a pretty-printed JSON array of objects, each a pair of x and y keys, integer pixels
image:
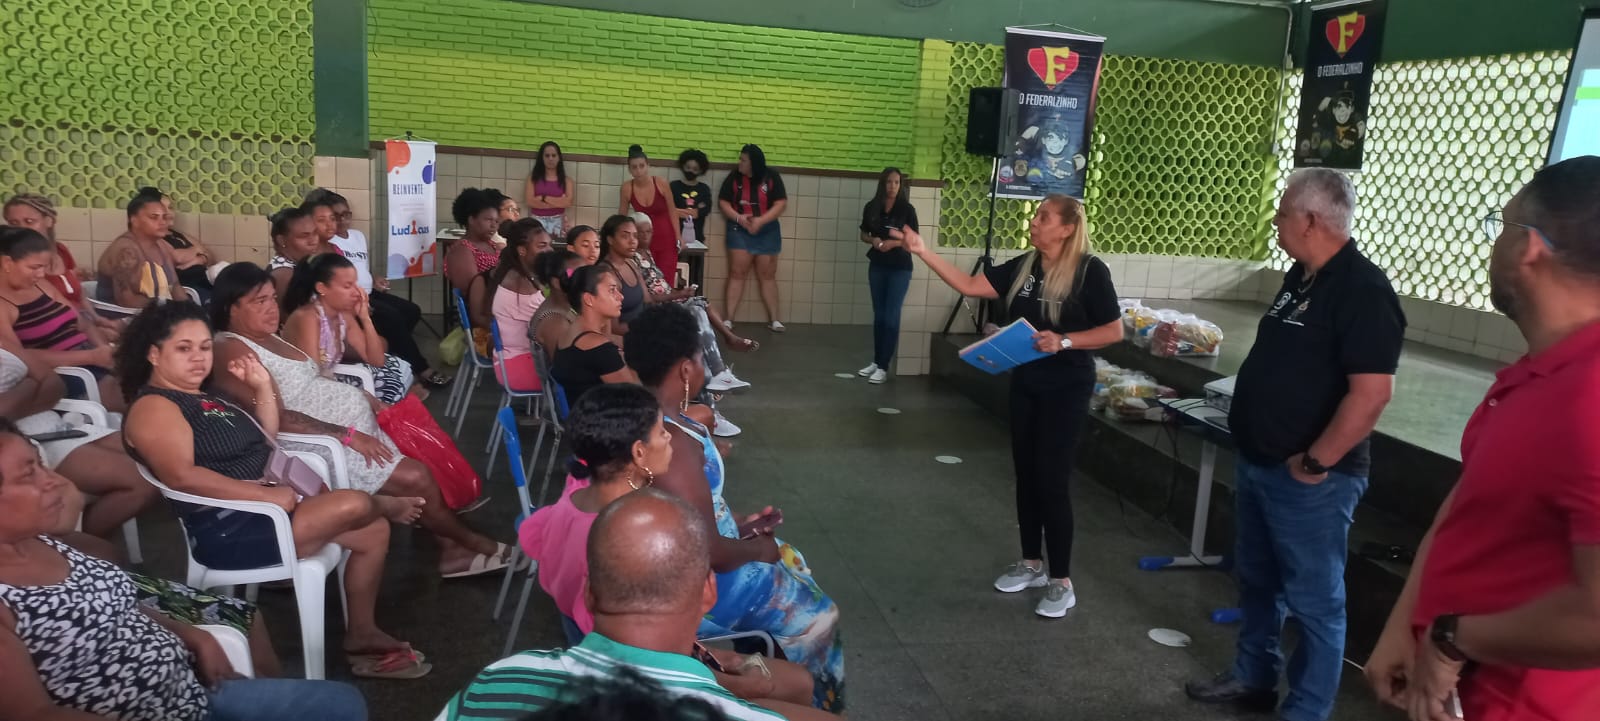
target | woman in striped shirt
[{"x": 34, "y": 314}]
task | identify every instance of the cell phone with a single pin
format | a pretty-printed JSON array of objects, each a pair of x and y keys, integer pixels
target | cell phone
[
  {"x": 704, "y": 655},
  {"x": 59, "y": 435},
  {"x": 762, "y": 525}
]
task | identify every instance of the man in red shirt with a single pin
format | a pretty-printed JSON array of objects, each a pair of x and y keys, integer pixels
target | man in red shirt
[{"x": 1501, "y": 613}]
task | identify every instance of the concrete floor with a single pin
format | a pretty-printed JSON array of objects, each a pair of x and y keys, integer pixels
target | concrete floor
[{"x": 906, "y": 545}]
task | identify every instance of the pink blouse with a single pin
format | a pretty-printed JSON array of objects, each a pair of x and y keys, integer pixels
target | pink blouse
[{"x": 557, "y": 538}]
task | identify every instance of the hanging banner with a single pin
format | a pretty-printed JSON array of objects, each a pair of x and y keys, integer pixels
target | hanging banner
[
  {"x": 1345, "y": 41},
  {"x": 1057, "y": 75},
  {"x": 413, "y": 207}
]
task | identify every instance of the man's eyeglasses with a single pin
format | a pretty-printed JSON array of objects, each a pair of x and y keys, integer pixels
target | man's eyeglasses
[{"x": 1494, "y": 224}]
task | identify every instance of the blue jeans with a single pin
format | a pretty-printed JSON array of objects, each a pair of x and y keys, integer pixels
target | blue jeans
[
  {"x": 1289, "y": 555},
  {"x": 889, "y": 287},
  {"x": 277, "y": 699}
]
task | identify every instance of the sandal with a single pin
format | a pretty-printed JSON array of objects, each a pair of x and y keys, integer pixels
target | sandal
[
  {"x": 483, "y": 563},
  {"x": 747, "y": 345},
  {"x": 473, "y": 506},
  {"x": 399, "y": 664},
  {"x": 436, "y": 379},
  {"x": 375, "y": 655}
]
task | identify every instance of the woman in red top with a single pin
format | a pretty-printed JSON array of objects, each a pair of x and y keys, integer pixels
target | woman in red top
[
  {"x": 664, "y": 246},
  {"x": 477, "y": 210},
  {"x": 36, "y": 212}
]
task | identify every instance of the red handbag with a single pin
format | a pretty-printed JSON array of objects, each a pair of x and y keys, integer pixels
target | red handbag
[{"x": 417, "y": 435}]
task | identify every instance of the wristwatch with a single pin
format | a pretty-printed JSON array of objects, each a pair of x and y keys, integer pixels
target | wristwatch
[
  {"x": 1443, "y": 636},
  {"x": 1312, "y": 465},
  {"x": 1065, "y": 342}
]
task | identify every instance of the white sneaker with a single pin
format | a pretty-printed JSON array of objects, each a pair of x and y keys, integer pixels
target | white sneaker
[
  {"x": 1057, "y": 599},
  {"x": 1019, "y": 576},
  {"x": 776, "y": 327},
  {"x": 867, "y": 371},
  {"x": 725, "y": 428},
  {"x": 726, "y": 381},
  {"x": 878, "y": 377}
]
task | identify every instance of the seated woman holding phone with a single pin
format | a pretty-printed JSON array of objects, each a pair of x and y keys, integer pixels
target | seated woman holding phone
[
  {"x": 618, "y": 444},
  {"x": 763, "y": 584}
]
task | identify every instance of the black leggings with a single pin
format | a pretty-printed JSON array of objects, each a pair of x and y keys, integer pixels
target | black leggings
[
  {"x": 1045, "y": 426},
  {"x": 395, "y": 318}
]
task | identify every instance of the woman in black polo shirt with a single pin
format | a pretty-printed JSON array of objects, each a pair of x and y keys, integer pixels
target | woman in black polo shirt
[
  {"x": 889, "y": 269},
  {"x": 1065, "y": 293}
]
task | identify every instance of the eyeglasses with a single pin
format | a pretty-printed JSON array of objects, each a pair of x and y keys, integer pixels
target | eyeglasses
[{"x": 1494, "y": 224}]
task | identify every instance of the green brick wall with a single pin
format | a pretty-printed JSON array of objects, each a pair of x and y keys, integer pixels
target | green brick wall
[
  {"x": 933, "y": 95},
  {"x": 209, "y": 99},
  {"x": 1179, "y": 162},
  {"x": 509, "y": 75}
]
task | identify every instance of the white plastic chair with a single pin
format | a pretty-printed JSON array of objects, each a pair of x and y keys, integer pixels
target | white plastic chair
[
  {"x": 359, "y": 372},
  {"x": 338, "y": 472},
  {"x": 108, "y": 310},
  {"x": 81, "y": 374},
  {"x": 235, "y": 645},
  {"x": 194, "y": 295},
  {"x": 309, "y": 574},
  {"x": 96, "y": 415}
]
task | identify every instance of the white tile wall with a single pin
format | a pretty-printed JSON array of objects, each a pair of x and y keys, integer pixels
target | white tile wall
[{"x": 822, "y": 271}]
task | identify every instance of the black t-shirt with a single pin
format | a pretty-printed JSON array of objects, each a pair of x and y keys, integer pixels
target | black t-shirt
[
  {"x": 752, "y": 198},
  {"x": 578, "y": 370},
  {"x": 1345, "y": 320},
  {"x": 1091, "y": 305},
  {"x": 876, "y": 222},
  {"x": 696, "y": 196}
]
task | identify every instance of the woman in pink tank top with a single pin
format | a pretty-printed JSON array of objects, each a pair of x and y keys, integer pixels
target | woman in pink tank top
[{"x": 548, "y": 192}]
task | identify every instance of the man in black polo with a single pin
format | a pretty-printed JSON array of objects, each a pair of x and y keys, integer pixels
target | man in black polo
[{"x": 1306, "y": 400}]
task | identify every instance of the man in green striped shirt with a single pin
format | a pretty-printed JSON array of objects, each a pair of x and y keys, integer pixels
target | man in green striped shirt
[{"x": 650, "y": 582}]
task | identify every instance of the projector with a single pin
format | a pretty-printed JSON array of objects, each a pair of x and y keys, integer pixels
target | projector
[{"x": 1219, "y": 393}]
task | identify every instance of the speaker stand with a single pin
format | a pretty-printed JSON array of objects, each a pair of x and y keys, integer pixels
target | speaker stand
[{"x": 983, "y": 262}]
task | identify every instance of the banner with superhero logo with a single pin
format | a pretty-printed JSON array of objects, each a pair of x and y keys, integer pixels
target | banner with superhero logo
[
  {"x": 1345, "y": 41},
  {"x": 1057, "y": 76}
]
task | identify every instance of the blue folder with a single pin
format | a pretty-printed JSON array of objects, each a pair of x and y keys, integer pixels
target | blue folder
[{"x": 1008, "y": 348}]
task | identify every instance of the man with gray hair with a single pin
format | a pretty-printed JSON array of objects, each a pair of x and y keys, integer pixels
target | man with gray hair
[{"x": 1305, "y": 402}]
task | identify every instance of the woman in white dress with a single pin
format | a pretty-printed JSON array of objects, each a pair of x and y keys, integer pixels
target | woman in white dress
[{"x": 244, "y": 311}]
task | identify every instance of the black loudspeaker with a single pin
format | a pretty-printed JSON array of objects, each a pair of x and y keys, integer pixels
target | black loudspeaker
[{"x": 992, "y": 121}]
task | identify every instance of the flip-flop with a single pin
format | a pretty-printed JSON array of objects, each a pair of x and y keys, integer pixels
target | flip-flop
[
  {"x": 483, "y": 563},
  {"x": 377, "y": 655},
  {"x": 437, "y": 380},
  {"x": 473, "y": 506},
  {"x": 400, "y": 664}
]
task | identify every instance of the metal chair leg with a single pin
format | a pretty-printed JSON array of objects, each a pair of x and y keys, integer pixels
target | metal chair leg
[
  {"x": 505, "y": 583},
  {"x": 522, "y": 605}
]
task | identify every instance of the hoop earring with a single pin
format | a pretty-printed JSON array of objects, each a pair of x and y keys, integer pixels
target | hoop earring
[{"x": 649, "y": 479}]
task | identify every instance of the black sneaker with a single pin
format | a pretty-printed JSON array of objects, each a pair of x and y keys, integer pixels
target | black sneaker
[{"x": 1225, "y": 689}]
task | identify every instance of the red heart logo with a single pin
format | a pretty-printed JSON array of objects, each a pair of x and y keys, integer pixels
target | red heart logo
[
  {"x": 1053, "y": 65},
  {"x": 1343, "y": 31}
]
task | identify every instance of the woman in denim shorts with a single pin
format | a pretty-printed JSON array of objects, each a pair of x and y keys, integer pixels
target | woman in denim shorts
[{"x": 752, "y": 198}]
